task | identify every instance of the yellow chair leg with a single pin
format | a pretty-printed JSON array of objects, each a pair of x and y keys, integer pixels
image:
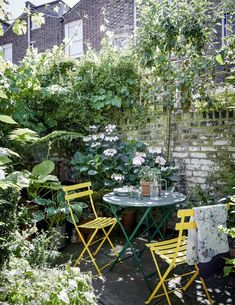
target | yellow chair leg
[
  {"x": 106, "y": 234},
  {"x": 86, "y": 248},
  {"x": 206, "y": 291},
  {"x": 204, "y": 287},
  {"x": 161, "y": 283},
  {"x": 193, "y": 277}
]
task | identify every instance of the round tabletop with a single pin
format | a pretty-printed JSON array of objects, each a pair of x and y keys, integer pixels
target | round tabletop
[{"x": 167, "y": 198}]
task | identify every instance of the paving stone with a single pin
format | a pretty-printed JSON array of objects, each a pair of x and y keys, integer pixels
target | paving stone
[{"x": 124, "y": 285}]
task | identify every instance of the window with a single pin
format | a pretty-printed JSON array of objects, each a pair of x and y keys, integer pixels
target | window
[
  {"x": 7, "y": 51},
  {"x": 228, "y": 25},
  {"x": 35, "y": 26},
  {"x": 74, "y": 34}
]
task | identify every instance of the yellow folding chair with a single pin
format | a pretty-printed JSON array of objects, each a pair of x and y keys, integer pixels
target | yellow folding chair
[
  {"x": 173, "y": 252},
  {"x": 99, "y": 223}
]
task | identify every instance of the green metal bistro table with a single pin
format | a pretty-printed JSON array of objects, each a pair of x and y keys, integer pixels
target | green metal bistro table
[{"x": 167, "y": 202}]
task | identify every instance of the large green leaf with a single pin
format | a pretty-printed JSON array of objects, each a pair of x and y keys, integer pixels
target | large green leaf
[
  {"x": 42, "y": 178},
  {"x": 38, "y": 216},
  {"x": 44, "y": 168},
  {"x": 77, "y": 207},
  {"x": 20, "y": 178},
  {"x": 69, "y": 218},
  {"x": 4, "y": 160},
  {"x": 51, "y": 211},
  {"x": 43, "y": 201},
  {"x": 7, "y": 119}
]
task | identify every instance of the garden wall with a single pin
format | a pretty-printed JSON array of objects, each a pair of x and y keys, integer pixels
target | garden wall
[{"x": 198, "y": 141}]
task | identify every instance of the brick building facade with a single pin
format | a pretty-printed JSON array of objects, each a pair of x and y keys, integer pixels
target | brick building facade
[{"x": 117, "y": 14}]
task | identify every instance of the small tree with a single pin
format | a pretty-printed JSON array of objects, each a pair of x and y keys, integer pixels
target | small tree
[{"x": 175, "y": 40}]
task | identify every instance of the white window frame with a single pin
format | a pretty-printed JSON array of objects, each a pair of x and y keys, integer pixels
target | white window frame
[
  {"x": 5, "y": 46},
  {"x": 224, "y": 26},
  {"x": 34, "y": 26},
  {"x": 79, "y": 24}
]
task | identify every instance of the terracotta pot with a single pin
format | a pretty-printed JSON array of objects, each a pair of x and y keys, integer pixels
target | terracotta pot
[
  {"x": 145, "y": 188},
  {"x": 232, "y": 252},
  {"x": 128, "y": 221}
]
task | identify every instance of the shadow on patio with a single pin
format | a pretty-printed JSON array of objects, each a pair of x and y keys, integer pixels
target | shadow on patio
[{"x": 124, "y": 285}]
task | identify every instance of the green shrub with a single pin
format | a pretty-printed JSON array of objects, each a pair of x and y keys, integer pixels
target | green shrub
[
  {"x": 9, "y": 196},
  {"x": 21, "y": 284}
]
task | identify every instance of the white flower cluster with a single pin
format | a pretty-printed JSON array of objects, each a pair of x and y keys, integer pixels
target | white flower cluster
[
  {"x": 2, "y": 174},
  {"x": 117, "y": 177},
  {"x": 139, "y": 159},
  {"x": 110, "y": 128},
  {"x": 95, "y": 144},
  {"x": 94, "y": 137},
  {"x": 160, "y": 160},
  {"x": 111, "y": 138},
  {"x": 110, "y": 152}
]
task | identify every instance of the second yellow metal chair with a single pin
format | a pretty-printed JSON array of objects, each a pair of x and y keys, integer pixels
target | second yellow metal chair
[
  {"x": 97, "y": 224},
  {"x": 173, "y": 252}
]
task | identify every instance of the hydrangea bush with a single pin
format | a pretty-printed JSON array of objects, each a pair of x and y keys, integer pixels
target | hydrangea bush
[{"x": 109, "y": 160}]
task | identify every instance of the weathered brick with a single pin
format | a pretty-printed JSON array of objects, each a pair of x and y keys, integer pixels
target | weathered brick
[
  {"x": 207, "y": 148},
  {"x": 197, "y": 155}
]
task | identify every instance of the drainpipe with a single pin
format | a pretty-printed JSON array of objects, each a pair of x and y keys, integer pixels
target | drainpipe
[{"x": 29, "y": 25}]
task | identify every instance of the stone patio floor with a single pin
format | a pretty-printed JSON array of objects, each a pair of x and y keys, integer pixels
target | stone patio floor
[{"x": 124, "y": 285}]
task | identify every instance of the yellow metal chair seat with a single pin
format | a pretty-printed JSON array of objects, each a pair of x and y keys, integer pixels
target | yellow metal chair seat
[
  {"x": 99, "y": 223},
  {"x": 103, "y": 224},
  {"x": 166, "y": 250}
]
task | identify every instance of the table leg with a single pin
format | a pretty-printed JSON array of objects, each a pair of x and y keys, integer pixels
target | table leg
[
  {"x": 129, "y": 241},
  {"x": 165, "y": 217}
]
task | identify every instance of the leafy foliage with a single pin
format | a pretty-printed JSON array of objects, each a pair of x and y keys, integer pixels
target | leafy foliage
[
  {"x": 55, "y": 286},
  {"x": 9, "y": 195},
  {"x": 173, "y": 42}
]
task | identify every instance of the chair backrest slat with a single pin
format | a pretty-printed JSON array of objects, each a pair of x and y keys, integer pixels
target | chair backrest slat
[
  {"x": 78, "y": 195},
  {"x": 76, "y": 186},
  {"x": 185, "y": 213},
  {"x": 186, "y": 226},
  {"x": 78, "y": 191}
]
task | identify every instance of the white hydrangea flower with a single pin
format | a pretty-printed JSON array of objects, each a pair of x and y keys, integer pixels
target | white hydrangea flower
[
  {"x": 110, "y": 152},
  {"x": 140, "y": 154},
  {"x": 94, "y": 137},
  {"x": 138, "y": 161},
  {"x": 117, "y": 177},
  {"x": 95, "y": 144},
  {"x": 93, "y": 127},
  {"x": 139, "y": 158},
  {"x": 2, "y": 174},
  {"x": 101, "y": 136},
  {"x": 160, "y": 160},
  {"x": 111, "y": 138},
  {"x": 86, "y": 139},
  {"x": 110, "y": 128}
]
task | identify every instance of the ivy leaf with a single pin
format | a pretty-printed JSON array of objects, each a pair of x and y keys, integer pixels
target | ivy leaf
[
  {"x": 38, "y": 19},
  {"x": 7, "y": 119},
  {"x": 219, "y": 59},
  {"x": 20, "y": 27},
  {"x": 2, "y": 93}
]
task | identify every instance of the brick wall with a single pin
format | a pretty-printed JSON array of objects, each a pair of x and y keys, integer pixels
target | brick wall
[
  {"x": 118, "y": 13},
  {"x": 19, "y": 44},
  {"x": 48, "y": 35},
  {"x": 197, "y": 141}
]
